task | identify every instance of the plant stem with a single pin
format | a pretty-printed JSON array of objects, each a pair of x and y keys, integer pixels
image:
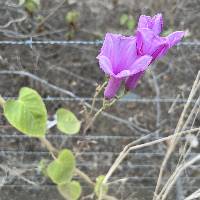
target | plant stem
[
  {"x": 2, "y": 101},
  {"x": 85, "y": 177},
  {"x": 49, "y": 147},
  {"x": 104, "y": 106},
  {"x": 98, "y": 91}
]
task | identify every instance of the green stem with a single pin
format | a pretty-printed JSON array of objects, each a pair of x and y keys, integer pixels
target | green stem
[
  {"x": 52, "y": 150},
  {"x": 104, "y": 106},
  {"x": 85, "y": 177},
  {"x": 98, "y": 91},
  {"x": 2, "y": 101}
]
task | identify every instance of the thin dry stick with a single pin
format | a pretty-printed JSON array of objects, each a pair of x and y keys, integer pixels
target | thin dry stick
[
  {"x": 193, "y": 112},
  {"x": 194, "y": 195},
  {"x": 18, "y": 173},
  {"x": 98, "y": 91},
  {"x": 183, "y": 158},
  {"x": 178, "y": 128},
  {"x": 50, "y": 14},
  {"x": 169, "y": 181},
  {"x": 178, "y": 173},
  {"x": 129, "y": 148},
  {"x": 16, "y": 20},
  {"x": 173, "y": 104}
]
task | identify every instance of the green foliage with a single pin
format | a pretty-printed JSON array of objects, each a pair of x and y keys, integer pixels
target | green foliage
[
  {"x": 167, "y": 32},
  {"x": 99, "y": 187},
  {"x": 123, "y": 19},
  {"x": 28, "y": 113},
  {"x": 128, "y": 21},
  {"x": 72, "y": 17},
  {"x": 42, "y": 167},
  {"x": 131, "y": 23},
  {"x": 61, "y": 170},
  {"x": 30, "y": 5},
  {"x": 71, "y": 190},
  {"x": 67, "y": 122}
]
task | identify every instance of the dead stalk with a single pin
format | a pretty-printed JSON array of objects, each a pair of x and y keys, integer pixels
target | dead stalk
[{"x": 179, "y": 127}]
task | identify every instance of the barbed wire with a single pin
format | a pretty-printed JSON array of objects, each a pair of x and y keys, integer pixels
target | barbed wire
[
  {"x": 100, "y": 136},
  {"x": 125, "y": 99},
  {"x": 47, "y": 186},
  {"x": 135, "y": 178},
  {"x": 30, "y": 42},
  {"x": 93, "y": 153}
]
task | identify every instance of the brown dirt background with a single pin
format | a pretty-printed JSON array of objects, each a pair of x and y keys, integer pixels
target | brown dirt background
[{"x": 75, "y": 68}]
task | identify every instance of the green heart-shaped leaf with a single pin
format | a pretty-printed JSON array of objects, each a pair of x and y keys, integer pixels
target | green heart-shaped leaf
[
  {"x": 71, "y": 190},
  {"x": 61, "y": 170},
  {"x": 67, "y": 122},
  {"x": 28, "y": 113}
]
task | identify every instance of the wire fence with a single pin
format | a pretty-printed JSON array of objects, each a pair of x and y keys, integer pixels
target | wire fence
[
  {"x": 30, "y": 42},
  {"x": 17, "y": 152},
  {"x": 125, "y": 99}
]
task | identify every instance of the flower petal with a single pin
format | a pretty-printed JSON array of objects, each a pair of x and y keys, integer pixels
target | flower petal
[
  {"x": 175, "y": 37},
  {"x": 122, "y": 74},
  {"x": 132, "y": 81},
  {"x": 157, "y": 24},
  {"x": 128, "y": 53},
  {"x": 120, "y": 50},
  {"x": 160, "y": 51},
  {"x": 149, "y": 43},
  {"x": 112, "y": 87},
  {"x": 140, "y": 64},
  {"x": 110, "y": 47},
  {"x": 154, "y": 23},
  {"x": 144, "y": 21},
  {"x": 105, "y": 64},
  {"x": 144, "y": 39}
]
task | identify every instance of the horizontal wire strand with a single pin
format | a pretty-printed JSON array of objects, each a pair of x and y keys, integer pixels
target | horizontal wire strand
[
  {"x": 54, "y": 186},
  {"x": 114, "y": 178},
  {"x": 31, "y": 42},
  {"x": 126, "y": 100},
  {"x": 85, "y": 153}
]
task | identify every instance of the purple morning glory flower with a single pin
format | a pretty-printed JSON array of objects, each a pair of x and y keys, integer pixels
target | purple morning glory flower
[
  {"x": 127, "y": 58},
  {"x": 118, "y": 59},
  {"x": 148, "y": 42}
]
